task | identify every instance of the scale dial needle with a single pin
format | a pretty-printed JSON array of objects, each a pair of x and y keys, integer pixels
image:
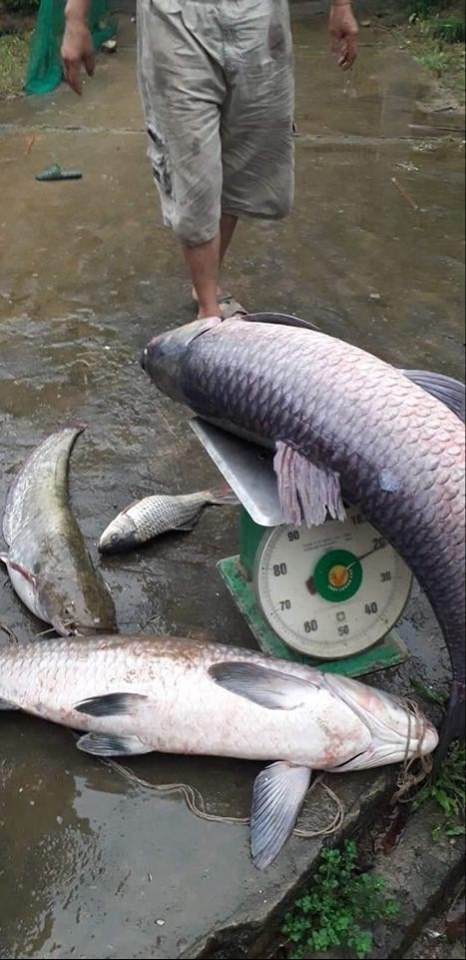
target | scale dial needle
[
  {"x": 368, "y": 554},
  {"x": 310, "y": 581}
]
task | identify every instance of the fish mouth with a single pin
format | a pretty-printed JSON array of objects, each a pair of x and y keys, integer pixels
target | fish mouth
[
  {"x": 163, "y": 356},
  {"x": 81, "y": 631},
  {"x": 118, "y": 544},
  {"x": 146, "y": 354},
  {"x": 73, "y": 629}
]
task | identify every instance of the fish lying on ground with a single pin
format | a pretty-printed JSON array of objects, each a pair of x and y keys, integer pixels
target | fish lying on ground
[
  {"x": 343, "y": 424},
  {"x": 133, "y": 695},
  {"x": 47, "y": 560},
  {"x": 152, "y": 516}
]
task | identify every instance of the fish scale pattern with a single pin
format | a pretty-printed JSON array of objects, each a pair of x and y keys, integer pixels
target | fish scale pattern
[{"x": 399, "y": 452}]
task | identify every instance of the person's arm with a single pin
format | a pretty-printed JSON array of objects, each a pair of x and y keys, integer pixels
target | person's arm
[
  {"x": 77, "y": 47},
  {"x": 344, "y": 32}
]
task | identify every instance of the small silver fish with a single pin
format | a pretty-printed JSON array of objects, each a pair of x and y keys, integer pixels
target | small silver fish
[{"x": 152, "y": 516}]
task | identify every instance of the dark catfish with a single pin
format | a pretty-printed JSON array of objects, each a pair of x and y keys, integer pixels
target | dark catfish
[
  {"x": 344, "y": 426},
  {"x": 47, "y": 559}
]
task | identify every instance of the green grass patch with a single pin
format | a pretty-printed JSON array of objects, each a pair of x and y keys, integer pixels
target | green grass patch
[
  {"x": 434, "y": 60},
  {"x": 448, "y": 793},
  {"x": 434, "y": 33},
  {"x": 14, "y": 54},
  {"x": 338, "y": 908},
  {"x": 445, "y": 60}
]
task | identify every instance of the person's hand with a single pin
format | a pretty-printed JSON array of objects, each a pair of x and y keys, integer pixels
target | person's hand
[
  {"x": 344, "y": 32},
  {"x": 77, "y": 48}
]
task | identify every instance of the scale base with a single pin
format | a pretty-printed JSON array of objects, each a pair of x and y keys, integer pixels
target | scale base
[{"x": 386, "y": 653}]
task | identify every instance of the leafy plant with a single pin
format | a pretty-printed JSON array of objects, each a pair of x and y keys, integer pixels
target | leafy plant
[
  {"x": 436, "y": 60},
  {"x": 450, "y": 29},
  {"x": 339, "y": 899},
  {"x": 449, "y": 793}
]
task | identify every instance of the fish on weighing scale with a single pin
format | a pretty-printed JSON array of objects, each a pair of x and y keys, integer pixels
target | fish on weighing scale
[{"x": 330, "y": 594}]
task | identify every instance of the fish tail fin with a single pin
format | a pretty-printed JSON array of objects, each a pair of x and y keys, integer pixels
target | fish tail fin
[
  {"x": 221, "y": 496},
  {"x": 79, "y": 426},
  {"x": 453, "y": 727}
]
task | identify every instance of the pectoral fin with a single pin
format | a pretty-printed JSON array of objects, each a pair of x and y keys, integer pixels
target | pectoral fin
[
  {"x": 189, "y": 525},
  {"x": 279, "y": 793},
  {"x": 307, "y": 493},
  {"x": 449, "y": 391},
  {"x": 110, "y": 704},
  {"x": 268, "y": 688},
  {"x": 109, "y": 745}
]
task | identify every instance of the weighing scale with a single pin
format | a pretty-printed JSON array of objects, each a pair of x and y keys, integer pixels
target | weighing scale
[{"x": 328, "y": 596}]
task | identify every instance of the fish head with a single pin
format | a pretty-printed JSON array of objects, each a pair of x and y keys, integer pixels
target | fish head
[
  {"x": 84, "y": 625},
  {"x": 119, "y": 535},
  {"x": 163, "y": 357},
  {"x": 397, "y": 731},
  {"x": 82, "y": 609}
]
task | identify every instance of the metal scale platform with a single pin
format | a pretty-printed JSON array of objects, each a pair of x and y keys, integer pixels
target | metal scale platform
[{"x": 328, "y": 596}]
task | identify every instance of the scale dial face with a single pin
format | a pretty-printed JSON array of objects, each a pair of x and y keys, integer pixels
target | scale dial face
[{"x": 333, "y": 590}]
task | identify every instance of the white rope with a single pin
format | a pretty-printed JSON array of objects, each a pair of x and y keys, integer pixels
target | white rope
[{"x": 195, "y": 801}]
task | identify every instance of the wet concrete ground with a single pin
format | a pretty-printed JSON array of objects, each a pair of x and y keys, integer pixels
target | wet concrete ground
[{"x": 92, "y": 866}]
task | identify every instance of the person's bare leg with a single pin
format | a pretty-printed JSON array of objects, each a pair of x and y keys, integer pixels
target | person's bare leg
[
  {"x": 227, "y": 228},
  {"x": 204, "y": 264}
]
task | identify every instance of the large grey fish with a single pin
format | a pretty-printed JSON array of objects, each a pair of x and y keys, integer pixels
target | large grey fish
[
  {"x": 47, "y": 560},
  {"x": 139, "y": 694},
  {"x": 343, "y": 424},
  {"x": 152, "y": 516}
]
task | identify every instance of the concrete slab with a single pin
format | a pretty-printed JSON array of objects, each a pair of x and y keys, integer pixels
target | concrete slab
[
  {"x": 419, "y": 874},
  {"x": 91, "y": 865}
]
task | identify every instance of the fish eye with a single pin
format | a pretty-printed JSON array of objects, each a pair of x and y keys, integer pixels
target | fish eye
[{"x": 115, "y": 537}]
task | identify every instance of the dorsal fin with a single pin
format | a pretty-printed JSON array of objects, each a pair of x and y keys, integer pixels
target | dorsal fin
[
  {"x": 449, "y": 391},
  {"x": 269, "y": 688},
  {"x": 283, "y": 319}
]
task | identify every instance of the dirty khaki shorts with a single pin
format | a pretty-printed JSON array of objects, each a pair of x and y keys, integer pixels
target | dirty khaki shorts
[{"x": 216, "y": 81}]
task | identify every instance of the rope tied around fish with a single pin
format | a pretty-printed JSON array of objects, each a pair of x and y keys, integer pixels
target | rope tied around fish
[
  {"x": 12, "y": 638},
  {"x": 195, "y": 802},
  {"x": 407, "y": 780}
]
